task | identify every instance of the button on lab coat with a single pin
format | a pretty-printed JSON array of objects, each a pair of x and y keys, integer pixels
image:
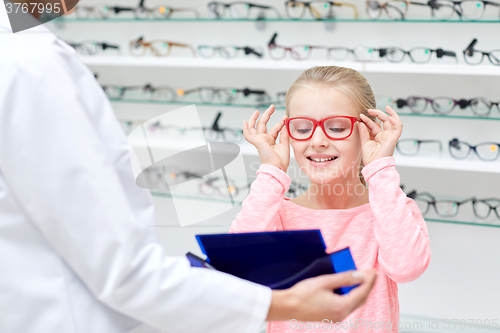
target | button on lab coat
[{"x": 77, "y": 250}]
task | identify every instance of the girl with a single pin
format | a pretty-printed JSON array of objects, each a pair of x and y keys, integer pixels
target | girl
[{"x": 330, "y": 124}]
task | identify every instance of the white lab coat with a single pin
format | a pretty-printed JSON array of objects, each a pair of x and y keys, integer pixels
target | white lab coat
[{"x": 77, "y": 250}]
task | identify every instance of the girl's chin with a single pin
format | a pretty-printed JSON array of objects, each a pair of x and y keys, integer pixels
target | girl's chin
[{"x": 319, "y": 176}]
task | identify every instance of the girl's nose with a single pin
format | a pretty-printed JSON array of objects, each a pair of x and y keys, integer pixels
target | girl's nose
[{"x": 319, "y": 139}]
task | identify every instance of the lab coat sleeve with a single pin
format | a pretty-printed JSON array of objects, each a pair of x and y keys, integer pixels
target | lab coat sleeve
[{"x": 55, "y": 163}]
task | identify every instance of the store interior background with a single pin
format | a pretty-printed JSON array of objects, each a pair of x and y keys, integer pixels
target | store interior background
[{"x": 461, "y": 281}]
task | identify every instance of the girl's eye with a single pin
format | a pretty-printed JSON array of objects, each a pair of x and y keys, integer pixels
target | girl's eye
[
  {"x": 337, "y": 129},
  {"x": 303, "y": 131}
]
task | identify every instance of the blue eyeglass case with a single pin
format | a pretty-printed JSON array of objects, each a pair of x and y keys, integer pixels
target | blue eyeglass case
[{"x": 276, "y": 259}]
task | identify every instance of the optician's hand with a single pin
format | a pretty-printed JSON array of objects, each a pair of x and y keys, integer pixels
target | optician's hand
[
  {"x": 270, "y": 152},
  {"x": 314, "y": 300}
]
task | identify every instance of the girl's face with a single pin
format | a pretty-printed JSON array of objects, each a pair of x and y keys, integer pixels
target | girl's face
[{"x": 319, "y": 103}]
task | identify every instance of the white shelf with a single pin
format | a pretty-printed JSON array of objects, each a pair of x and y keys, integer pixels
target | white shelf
[
  {"x": 447, "y": 164},
  {"x": 267, "y": 64},
  {"x": 443, "y": 163}
]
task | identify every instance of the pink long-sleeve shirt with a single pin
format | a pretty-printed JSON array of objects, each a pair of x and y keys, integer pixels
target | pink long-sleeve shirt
[{"x": 388, "y": 234}]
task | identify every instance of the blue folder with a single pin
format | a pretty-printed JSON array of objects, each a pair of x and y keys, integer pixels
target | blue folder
[{"x": 275, "y": 259}]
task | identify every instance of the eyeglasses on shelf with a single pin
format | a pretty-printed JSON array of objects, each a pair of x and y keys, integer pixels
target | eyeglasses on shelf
[
  {"x": 240, "y": 10},
  {"x": 341, "y": 53},
  {"x": 169, "y": 175},
  {"x": 440, "y": 9},
  {"x": 411, "y": 147},
  {"x": 91, "y": 47},
  {"x": 159, "y": 47},
  {"x": 443, "y": 207},
  {"x": 162, "y": 12},
  {"x": 229, "y": 51},
  {"x": 212, "y": 133},
  {"x": 148, "y": 92},
  {"x": 167, "y": 129},
  {"x": 335, "y": 128},
  {"x": 208, "y": 94},
  {"x": 318, "y": 10},
  {"x": 281, "y": 98},
  {"x": 418, "y": 55},
  {"x": 486, "y": 151},
  {"x": 468, "y": 9},
  {"x": 395, "y": 10},
  {"x": 226, "y": 134},
  {"x": 476, "y": 57},
  {"x": 440, "y": 105},
  {"x": 297, "y": 52},
  {"x": 104, "y": 11},
  {"x": 218, "y": 186},
  {"x": 483, "y": 207},
  {"x": 482, "y": 106}
]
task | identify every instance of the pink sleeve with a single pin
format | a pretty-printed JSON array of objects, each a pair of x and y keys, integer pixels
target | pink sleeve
[
  {"x": 259, "y": 210},
  {"x": 400, "y": 229}
]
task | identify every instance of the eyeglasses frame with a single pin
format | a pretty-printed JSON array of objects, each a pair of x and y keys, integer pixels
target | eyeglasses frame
[
  {"x": 320, "y": 123},
  {"x": 473, "y": 148},
  {"x": 316, "y": 15}
]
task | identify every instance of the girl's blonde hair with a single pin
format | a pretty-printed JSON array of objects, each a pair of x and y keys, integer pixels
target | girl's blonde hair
[{"x": 346, "y": 80}]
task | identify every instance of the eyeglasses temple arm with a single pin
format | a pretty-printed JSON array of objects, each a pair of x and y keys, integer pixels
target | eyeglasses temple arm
[
  {"x": 272, "y": 42},
  {"x": 247, "y": 92},
  {"x": 442, "y": 53},
  {"x": 184, "y": 45},
  {"x": 118, "y": 9},
  {"x": 249, "y": 50},
  {"x": 412, "y": 194},
  {"x": 185, "y": 92},
  {"x": 470, "y": 49},
  {"x": 440, "y": 145},
  {"x": 315, "y": 12},
  {"x": 215, "y": 125}
]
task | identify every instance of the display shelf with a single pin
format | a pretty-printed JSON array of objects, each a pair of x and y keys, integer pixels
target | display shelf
[
  {"x": 269, "y": 64},
  {"x": 278, "y": 107},
  {"x": 447, "y": 164},
  {"x": 232, "y": 105},
  {"x": 212, "y": 199},
  {"x": 464, "y": 222},
  {"x": 423, "y": 162},
  {"x": 445, "y": 116},
  {"x": 173, "y": 20}
]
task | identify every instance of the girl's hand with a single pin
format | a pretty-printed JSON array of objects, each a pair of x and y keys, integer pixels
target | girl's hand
[
  {"x": 375, "y": 142},
  {"x": 270, "y": 152}
]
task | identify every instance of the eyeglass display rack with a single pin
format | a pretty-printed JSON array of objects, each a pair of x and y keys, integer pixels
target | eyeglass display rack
[
  {"x": 475, "y": 243},
  {"x": 269, "y": 64},
  {"x": 64, "y": 20},
  {"x": 453, "y": 115}
]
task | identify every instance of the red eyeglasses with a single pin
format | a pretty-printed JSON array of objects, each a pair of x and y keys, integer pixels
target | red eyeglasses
[{"x": 335, "y": 128}]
